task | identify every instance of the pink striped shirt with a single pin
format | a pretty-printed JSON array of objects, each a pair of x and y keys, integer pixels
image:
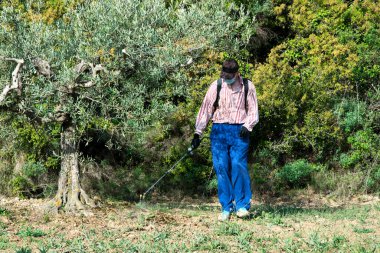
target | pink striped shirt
[{"x": 231, "y": 107}]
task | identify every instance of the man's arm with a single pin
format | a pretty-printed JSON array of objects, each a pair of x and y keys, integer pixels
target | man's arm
[
  {"x": 206, "y": 110},
  {"x": 253, "y": 110}
]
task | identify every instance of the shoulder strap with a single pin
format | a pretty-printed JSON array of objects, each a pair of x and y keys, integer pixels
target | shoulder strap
[
  {"x": 218, "y": 88},
  {"x": 245, "y": 82}
]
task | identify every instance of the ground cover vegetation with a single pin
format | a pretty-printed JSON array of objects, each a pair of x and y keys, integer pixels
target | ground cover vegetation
[
  {"x": 191, "y": 226},
  {"x": 110, "y": 91}
]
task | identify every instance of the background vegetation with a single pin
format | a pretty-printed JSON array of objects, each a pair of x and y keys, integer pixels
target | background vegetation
[{"x": 315, "y": 66}]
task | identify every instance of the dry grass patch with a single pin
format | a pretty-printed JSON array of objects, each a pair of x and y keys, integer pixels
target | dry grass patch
[{"x": 191, "y": 227}]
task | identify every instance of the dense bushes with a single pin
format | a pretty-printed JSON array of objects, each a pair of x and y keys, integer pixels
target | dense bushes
[
  {"x": 316, "y": 69},
  {"x": 315, "y": 103}
]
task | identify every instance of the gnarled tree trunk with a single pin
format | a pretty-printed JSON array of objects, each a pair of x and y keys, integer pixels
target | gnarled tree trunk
[{"x": 70, "y": 195}]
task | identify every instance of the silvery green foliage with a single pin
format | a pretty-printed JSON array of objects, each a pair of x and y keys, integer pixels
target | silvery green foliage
[{"x": 158, "y": 43}]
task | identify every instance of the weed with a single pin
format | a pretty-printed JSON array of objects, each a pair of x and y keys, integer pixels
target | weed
[
  {"x": 292, "y": 245},
  {"x": 228, "y": 228},
  {"x": 108, "y": 233},
  {"x": 30, "y": 232},
  {"x": 4, "y": 242},
  {"x": 272, "y": 218},
  {"x": 317, "y": 243},
  {"x": 46, "y": 218},
  {"x": 363, "y": 230},
  {"x": 4, "y": 212},
  {"x": 77, "y": 244},
  {"x": 43, "y": 250},
  {"x": 199, "y": 241},
  {"x": 24, "y": 250},
  {"x": 337, "y": 241},
  {"x": 161, "y": 236},
  {"x": 265, "y": 242},
  {"x": 217, "y": 245},
  {"x": 244, "y": 240},
  {"x": 2, "y": 228}
]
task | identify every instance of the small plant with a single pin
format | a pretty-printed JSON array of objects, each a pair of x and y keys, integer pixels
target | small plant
[
  {"x": 228, "y": 229},
  {"x": 212, "y": 185},
  {"x": 317, "y": 243},
  {"x": 4, "y": 212},
  {"x": 30, "y": 232},
  {"x": 161, "y": 236},
  {"x": 24, "y": 250},
  {"x": 43, "y": 250},
  {"x": 2, "y": 228},
  {"x": 216, "y": 245},
  {"x": 363, "y": 230},
  {"x": 200, "y": 241},
  {"x": 46, "y": 218},
  {"x": 244, "y": 240},
  {"x": 272, "y": 218},
  {"x": 338, "y": 241}
]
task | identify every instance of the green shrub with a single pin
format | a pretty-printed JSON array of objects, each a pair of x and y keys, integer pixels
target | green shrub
[
  {"x": 28, "y": 182},
  {"x": 19, "y": 185},
  {"x": 350, "y": 114},
  {"x": 295, "y": 175},
  {"x": 33, "y": 169},
  {"x": 363, "y": 147}
]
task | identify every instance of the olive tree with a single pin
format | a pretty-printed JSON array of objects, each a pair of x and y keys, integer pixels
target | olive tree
[{"x": 107, "y": 61}]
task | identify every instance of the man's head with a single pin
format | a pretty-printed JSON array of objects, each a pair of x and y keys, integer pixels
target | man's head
[{"x": 230, "y": 69}]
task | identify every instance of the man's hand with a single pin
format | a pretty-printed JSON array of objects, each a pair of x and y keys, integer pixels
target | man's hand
[
  {"x": 196, "y": 141},
  {"x": 244, "y": 132}
]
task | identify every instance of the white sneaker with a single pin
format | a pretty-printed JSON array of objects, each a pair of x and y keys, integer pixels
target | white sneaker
[
  {"x": 224, "y": 216},
  {"x": 242, "y": 213}
]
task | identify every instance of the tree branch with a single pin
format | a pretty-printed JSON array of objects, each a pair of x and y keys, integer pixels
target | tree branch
[
  {"x": 16, "y": 78},
  {"x": 84, "y": 66}
]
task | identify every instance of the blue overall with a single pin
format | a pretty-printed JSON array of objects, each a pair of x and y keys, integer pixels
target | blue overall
[{"x": 229, "y": 155}]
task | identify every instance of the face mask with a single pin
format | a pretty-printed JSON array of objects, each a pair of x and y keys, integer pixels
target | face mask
[{"x": 230, "y": 81}]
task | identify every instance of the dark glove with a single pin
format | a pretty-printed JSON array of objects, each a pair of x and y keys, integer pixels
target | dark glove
[
  {"x": 196, "y": 141},
  {"x": 244, "y": 132}
]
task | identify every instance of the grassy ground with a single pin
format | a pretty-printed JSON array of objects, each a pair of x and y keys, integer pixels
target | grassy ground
[{"x": 191, "y": 226}]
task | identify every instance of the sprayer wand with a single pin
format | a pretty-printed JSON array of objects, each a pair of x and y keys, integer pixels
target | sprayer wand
[{"x": 189, "y": 152}]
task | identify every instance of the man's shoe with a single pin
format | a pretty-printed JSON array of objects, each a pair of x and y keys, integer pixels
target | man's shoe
[
  {"x": 224, "y": 216},
  {"x": 242, "y": 213}
]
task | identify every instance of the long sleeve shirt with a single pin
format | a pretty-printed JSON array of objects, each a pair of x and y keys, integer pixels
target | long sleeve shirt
[{"x": 231, "y": 109}]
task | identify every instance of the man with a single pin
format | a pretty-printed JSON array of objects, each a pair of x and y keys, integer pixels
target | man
[{"x": 234, "y": 114}]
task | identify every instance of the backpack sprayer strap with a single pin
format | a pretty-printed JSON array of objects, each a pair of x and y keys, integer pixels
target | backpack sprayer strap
[{"x": 218, "y": 88}]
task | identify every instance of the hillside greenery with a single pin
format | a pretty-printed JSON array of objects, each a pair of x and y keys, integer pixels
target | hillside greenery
[{"x": 315, "y": 66}]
